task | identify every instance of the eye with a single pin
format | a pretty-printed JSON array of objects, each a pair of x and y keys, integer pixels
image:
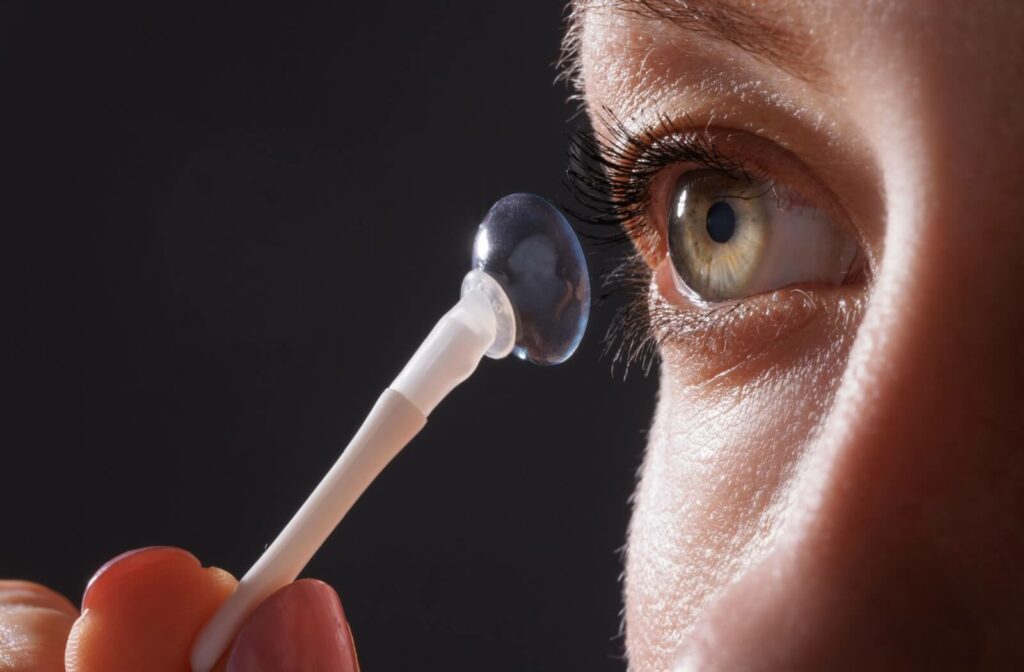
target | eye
[{"x": 730, "y": 237}]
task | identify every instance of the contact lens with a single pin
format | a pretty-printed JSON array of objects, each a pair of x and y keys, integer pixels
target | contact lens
[{"x": 527, "y": 245}]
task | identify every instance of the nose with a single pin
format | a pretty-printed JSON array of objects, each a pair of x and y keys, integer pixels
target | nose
[{"x": 904, "y": 546}]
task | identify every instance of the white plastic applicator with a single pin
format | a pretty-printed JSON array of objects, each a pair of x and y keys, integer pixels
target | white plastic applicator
[{"x": 528, "y": 294}]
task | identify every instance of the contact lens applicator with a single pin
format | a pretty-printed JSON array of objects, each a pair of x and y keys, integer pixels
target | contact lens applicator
[{"x": 528, "y": 294}]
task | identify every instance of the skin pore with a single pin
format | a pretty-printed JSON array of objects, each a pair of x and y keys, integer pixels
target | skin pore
[{"x": 833, "y": 479}]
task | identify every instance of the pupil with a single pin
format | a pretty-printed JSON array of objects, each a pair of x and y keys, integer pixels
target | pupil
[{"x": 721, "y": 223}]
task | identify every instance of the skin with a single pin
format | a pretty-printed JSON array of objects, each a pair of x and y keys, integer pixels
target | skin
[
  {"x": 143, "y": 609},
  {"x": 833, "y": 478},
  {"x": 141, "y": 613},
  {"x": 162, "y": 586},
  {"x": 34, "y": 624},
  {"x": 837, "y": 483}
]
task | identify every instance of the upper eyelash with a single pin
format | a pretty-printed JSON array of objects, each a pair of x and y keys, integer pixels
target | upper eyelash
[{"x": 610, "y": 178}]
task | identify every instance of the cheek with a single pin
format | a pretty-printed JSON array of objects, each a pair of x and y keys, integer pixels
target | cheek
[{"x": 721, "y": 456}]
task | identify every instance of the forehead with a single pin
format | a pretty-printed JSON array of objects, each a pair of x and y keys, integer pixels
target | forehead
[
  {"x": 806, "y": 38},
  {"x": 810, "y": 18},
  {"x": 776, "y": 31},
  {"x": 624, "y": 54}
]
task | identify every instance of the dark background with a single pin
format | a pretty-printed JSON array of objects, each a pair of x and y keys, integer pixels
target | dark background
[{"x": 225, "y": 230}]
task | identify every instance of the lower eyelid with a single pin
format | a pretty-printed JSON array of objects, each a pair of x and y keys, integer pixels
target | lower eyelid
[{"x": 737, "y": 341}]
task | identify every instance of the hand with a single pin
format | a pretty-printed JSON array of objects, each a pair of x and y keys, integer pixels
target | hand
[{"x": 143, "y": 609}]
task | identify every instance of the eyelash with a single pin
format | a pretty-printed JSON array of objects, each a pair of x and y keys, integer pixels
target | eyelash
[{"x": 611, "y": 179}]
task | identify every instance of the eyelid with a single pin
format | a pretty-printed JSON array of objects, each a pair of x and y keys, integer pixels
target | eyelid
[
  {"x": 731, "y": 341},
  {"x": 760, "y": 160},
  {"x": 623, "y": 177}
]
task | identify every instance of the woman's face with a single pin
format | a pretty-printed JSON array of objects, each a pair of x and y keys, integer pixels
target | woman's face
[{"x": 835, "y": 474}]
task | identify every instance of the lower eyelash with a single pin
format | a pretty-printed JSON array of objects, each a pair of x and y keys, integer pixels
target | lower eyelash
[
  {"x": 641, "y": 327},
  {"x": 631, "y": 339}
]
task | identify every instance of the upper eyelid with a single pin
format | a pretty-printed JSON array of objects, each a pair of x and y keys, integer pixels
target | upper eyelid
[{"x": 629, "y": 185}]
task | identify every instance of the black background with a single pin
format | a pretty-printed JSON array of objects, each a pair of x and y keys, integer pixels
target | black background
[{"x": 225, "y": 229}]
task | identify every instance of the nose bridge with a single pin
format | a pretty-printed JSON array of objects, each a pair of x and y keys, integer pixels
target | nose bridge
[
  {"x": 921, "y": 451},
  {"x": 903, "y": 538}
]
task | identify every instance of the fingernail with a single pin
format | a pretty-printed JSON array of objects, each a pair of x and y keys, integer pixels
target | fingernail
[
  {"x": 129, "y": 562},
  {"x": 300, "y": 627}
]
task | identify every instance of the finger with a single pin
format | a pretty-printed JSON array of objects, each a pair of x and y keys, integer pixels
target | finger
[
  {"x": 300, "y": 627},
  {"x": 34, "y": 625},
  {"x": 142, "y": 610}
]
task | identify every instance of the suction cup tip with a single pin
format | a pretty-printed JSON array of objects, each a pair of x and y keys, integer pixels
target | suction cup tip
[{"x": 527, "y": 245}]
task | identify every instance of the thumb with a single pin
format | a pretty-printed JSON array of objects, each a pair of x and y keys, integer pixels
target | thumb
[
  {"x": 143, "y": 610},
  {"x": 300, "y": 627}
]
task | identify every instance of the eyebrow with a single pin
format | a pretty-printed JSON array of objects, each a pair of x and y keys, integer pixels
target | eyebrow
[{"x": 763, "y": 37}]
